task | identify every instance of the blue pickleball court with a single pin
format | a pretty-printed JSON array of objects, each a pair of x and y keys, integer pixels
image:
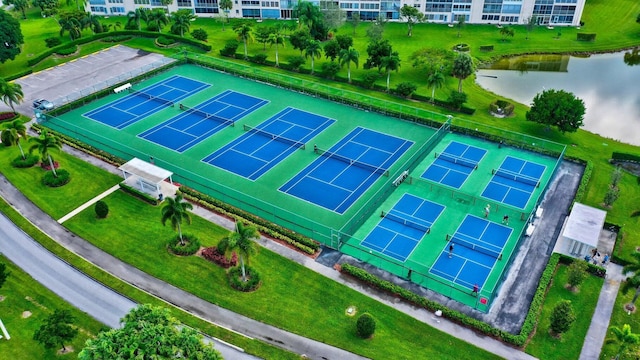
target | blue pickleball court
[
  {"x": 194, "y": 125},
  {"x": 261, "y": 148},
  {"x": 453, "y": 166},
  {"x": 142, "y": 103},
  {"x": 514, "y": 182},
  {"x": 401, "y": 229},
  {"x": 343, "y": 173},
  {"x": 478, "y": 243}
]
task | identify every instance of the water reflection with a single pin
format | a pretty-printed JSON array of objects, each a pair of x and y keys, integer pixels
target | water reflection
[{"x": 606, "y": 84}]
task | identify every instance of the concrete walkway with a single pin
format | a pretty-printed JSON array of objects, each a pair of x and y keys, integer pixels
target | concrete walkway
[{"x": 88, "y": 203}]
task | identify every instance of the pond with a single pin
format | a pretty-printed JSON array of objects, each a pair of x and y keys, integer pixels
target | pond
[{"x": 607, "y": 83}]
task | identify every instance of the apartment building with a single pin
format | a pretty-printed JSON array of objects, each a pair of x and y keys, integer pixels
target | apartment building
[{"x": 545, "y": 12}]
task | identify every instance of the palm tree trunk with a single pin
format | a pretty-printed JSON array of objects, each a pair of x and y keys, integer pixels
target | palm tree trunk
[
  {"x": 245, "y": 49},
  {"x": 312, "y": 65},
  {"x": 460, "y": 85},
  {"x": 244, "y": 273},
  {"x": 349, "y": 72},
  {"x": 433, "y": 94},
  {"x": 180, "y": 235},
  {"x": 277, "y": 63},
  {"x": 21, "y": 151},
  {"x": 635, "y": 296},
  {"x": 388, "y": 78},
  {"x": 52, "y": 167}
]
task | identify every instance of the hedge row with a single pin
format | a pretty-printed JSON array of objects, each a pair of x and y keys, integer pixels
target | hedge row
[
  {"x": 88, "y": 39},
  {"x": 18, "y": 75},
  {"x": 139, "y": 194},
  {"x": 298, "y": 241},
  {"x": 519, "y": 340},
  {"x": 625, "y": 157},
  {"x": 584, "y": 182},
  {"x": 359, "y": 82},
  {"x": 586, "y": 37}
]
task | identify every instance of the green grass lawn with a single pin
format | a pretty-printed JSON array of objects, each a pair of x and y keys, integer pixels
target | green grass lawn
[
  {"x": 21, "y": 293},
  {"x": 619, "y": 317},
  {"x": 584, "y": 301},
  {"x": 86, "y": 182},
  {"x": 291, "y": 296}
]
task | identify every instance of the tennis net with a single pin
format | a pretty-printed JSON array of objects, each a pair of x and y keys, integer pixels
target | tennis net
[
  {"x": 362, "y": 165},
  {"x": 458, "y": 239},
  {"x": 406, "y": 222},
  {"x": 516, "y": 177},
  {"x": 283, "y": 139},
  {"x": 151, "y": 97},
  {"x": 457, "y": 160},
  {"x": 206, "y": 115}
]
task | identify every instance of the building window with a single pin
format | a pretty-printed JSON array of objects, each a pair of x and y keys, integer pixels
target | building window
[{"x": 184, "y": 3}]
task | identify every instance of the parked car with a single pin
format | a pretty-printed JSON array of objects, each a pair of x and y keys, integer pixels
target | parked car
[{"x": 42, "y": 104}]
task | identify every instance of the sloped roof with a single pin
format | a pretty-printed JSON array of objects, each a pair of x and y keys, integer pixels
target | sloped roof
[
  {"x": 584, "y": 224},
  {"x": 145, "y": 170}
]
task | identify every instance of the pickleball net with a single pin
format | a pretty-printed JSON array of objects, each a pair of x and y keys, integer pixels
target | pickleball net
[{"x": 516, "y": 177}]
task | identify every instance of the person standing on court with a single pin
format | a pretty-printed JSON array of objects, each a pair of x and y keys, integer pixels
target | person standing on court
[
  {"x": 487, "y": 210},
  {"x": 476, "y": 289},
  {"x": 451, "y": 250},
  {"x": 505, "y": 219}
]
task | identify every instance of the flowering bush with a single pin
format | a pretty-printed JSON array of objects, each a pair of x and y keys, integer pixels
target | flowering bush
[{"x": 212, "y": 254}]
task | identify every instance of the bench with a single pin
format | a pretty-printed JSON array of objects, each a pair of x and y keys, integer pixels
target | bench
[
  {"x": 530, "y": 229},
  {"x": 539, "y": 212},
  {"x": 122, "y": 88}
]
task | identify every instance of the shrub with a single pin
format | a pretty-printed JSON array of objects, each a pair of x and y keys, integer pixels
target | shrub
[
  {"x": 190, "y": 247},
  {"x": 486, "y": 48},
  {"x": 119, "y": 38},
  {"x": 562, "y": 317},
  {"x": 139, "y": 194},
  {"x": 456, "y": 99},
  {"x": 235, "y": 279},
  {"x": 200, "y": 34},
  {"x": 259, "y": 58},
  {"x": 406, "y": 89},
  {"x": 612, "y": 194},
  {"x": 102, "y": 209},
  {"x": 230, "y": 48},
  {"x": 295, "y": 62},
  {"x": 52, "y": 41},
  {"x": 8, "y": 116},
  {"x": 163, "y": 40},
  {"x": 67, "y": 50},
  {"x": 212, "y": 254},
  {"x": 330, "y": 69},
  {"x": 586, "y": 37},
  {"x": 502, "y": 107},
  {"x": 577, "y": 273},
  {"x": 369, "y": 79},
  {"x": 365, "y": 326},
  {"x": 27, "y": 162},
  {"x": 51, "y": 181}
]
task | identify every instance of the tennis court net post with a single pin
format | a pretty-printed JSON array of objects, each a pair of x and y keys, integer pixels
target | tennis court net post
[
  {"x": 360, "y": 164},
  {"x": 276, "y": 137},
  {"x": 151, "y": 97},
  {"x": 516, "y": 177},
  {"x": 207, "y": 115}
]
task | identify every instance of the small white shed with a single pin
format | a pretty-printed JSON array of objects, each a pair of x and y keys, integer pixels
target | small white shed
[
  {"x": 582, "y": 230},
  {"x": 145, "y": 176}
]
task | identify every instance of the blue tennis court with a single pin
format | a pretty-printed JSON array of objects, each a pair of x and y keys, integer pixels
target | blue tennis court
[
  {"x": 514, "y": 182},
  {"x": 196, "y": 124},
  {"x": 401, "y": 229},
  {"x": 343, "y": 173},
  {"x": 261, "y": 148},
  {"x": 477, "y": 245},
  {"x": 141, "y": 103},
  {"x": 453, "y": 166}
]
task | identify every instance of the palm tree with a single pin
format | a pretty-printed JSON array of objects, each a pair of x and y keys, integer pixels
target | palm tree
[
  {"x": 625, "y": 337},
  {"x": 44, "y": 144},
  {"x": 462, "y": 68},
  {"x": 175, "y": 210},
  {"x": 72, "y": 25},
  {"x": 155, "y": 18},
  {"x": 134, "y": 17},
  {"x": 245, "y": 33},
  {"x": 181, "y": 21},
  {"x": 12, "y": 132},
  {"x": 634, "y": 280},
  {"x": 348, "y": 56},
  {"x": 241, "y": 241},
  {"x": 167, "y": 3},
  {"x": 313, "y": 50},
  {"x": 276, "y": 37},
  {"x": 93, "y": 22},
  {"x": 435, "y": 80},
  {"x": 226, "y": 6},
  {"x": 390, "y": 63},
  {"x": 11, "y": 93}
]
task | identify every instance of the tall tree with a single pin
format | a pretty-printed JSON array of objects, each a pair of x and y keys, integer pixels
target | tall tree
[
  {"x": 632, "y": 282},
  {"x": 562, "y": 317},
  {"x": 156, "y": 19},
  {"x": 135, "y": 17},
  {"x": 435, "y": 80},
  {"x": 167, "y": 3},
  {"x": 19, "y": 5},
  {"x": 226, "y": 6},
  {"x": 181, "y": 21},
  {"x": 262, "y": 35},
  {"x": 10, "y": 36},
  {"x": 57, "y": 329},
  {"x": 245, "y": 33},
  {"x": 344, "y": 41},
  {"x": 313, "y": 50},
  {"x": 71, "y": 25},
  {"x": 175, "y": 210},
  {"x": 92, "y": 22},
  {"x": 299, "y": 39},
  {"x": 390, "y": 63},
  {"x": 13, "y": 132},
  {"x": 460, "y": 23},
  {"x": 355, "y": 21},
  {"x": 506, "y": 31},
  {"x": 332, "y": 15},
  {"x": 44, "y": 144},
  {"x": 241, "y": 241},
  {"x": 331, "y": 49},
  {"x": 376, "y": 51},
  {"x": 412, "y": 15},
  {"x": 376, "y": 30},
  {"x": 348, "y": 56},
  {"x": 149, "y": 332},
  {"x": 277, "y": 38},
  {"x": 11, "y": 93},
  {"x": 310, "y": 17},
  {"x": 624, "y": 337},
  {"x": 531, "y": 24},
  {"x": 559, "y": 108},
  {"x": 463, "y": 67}
]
